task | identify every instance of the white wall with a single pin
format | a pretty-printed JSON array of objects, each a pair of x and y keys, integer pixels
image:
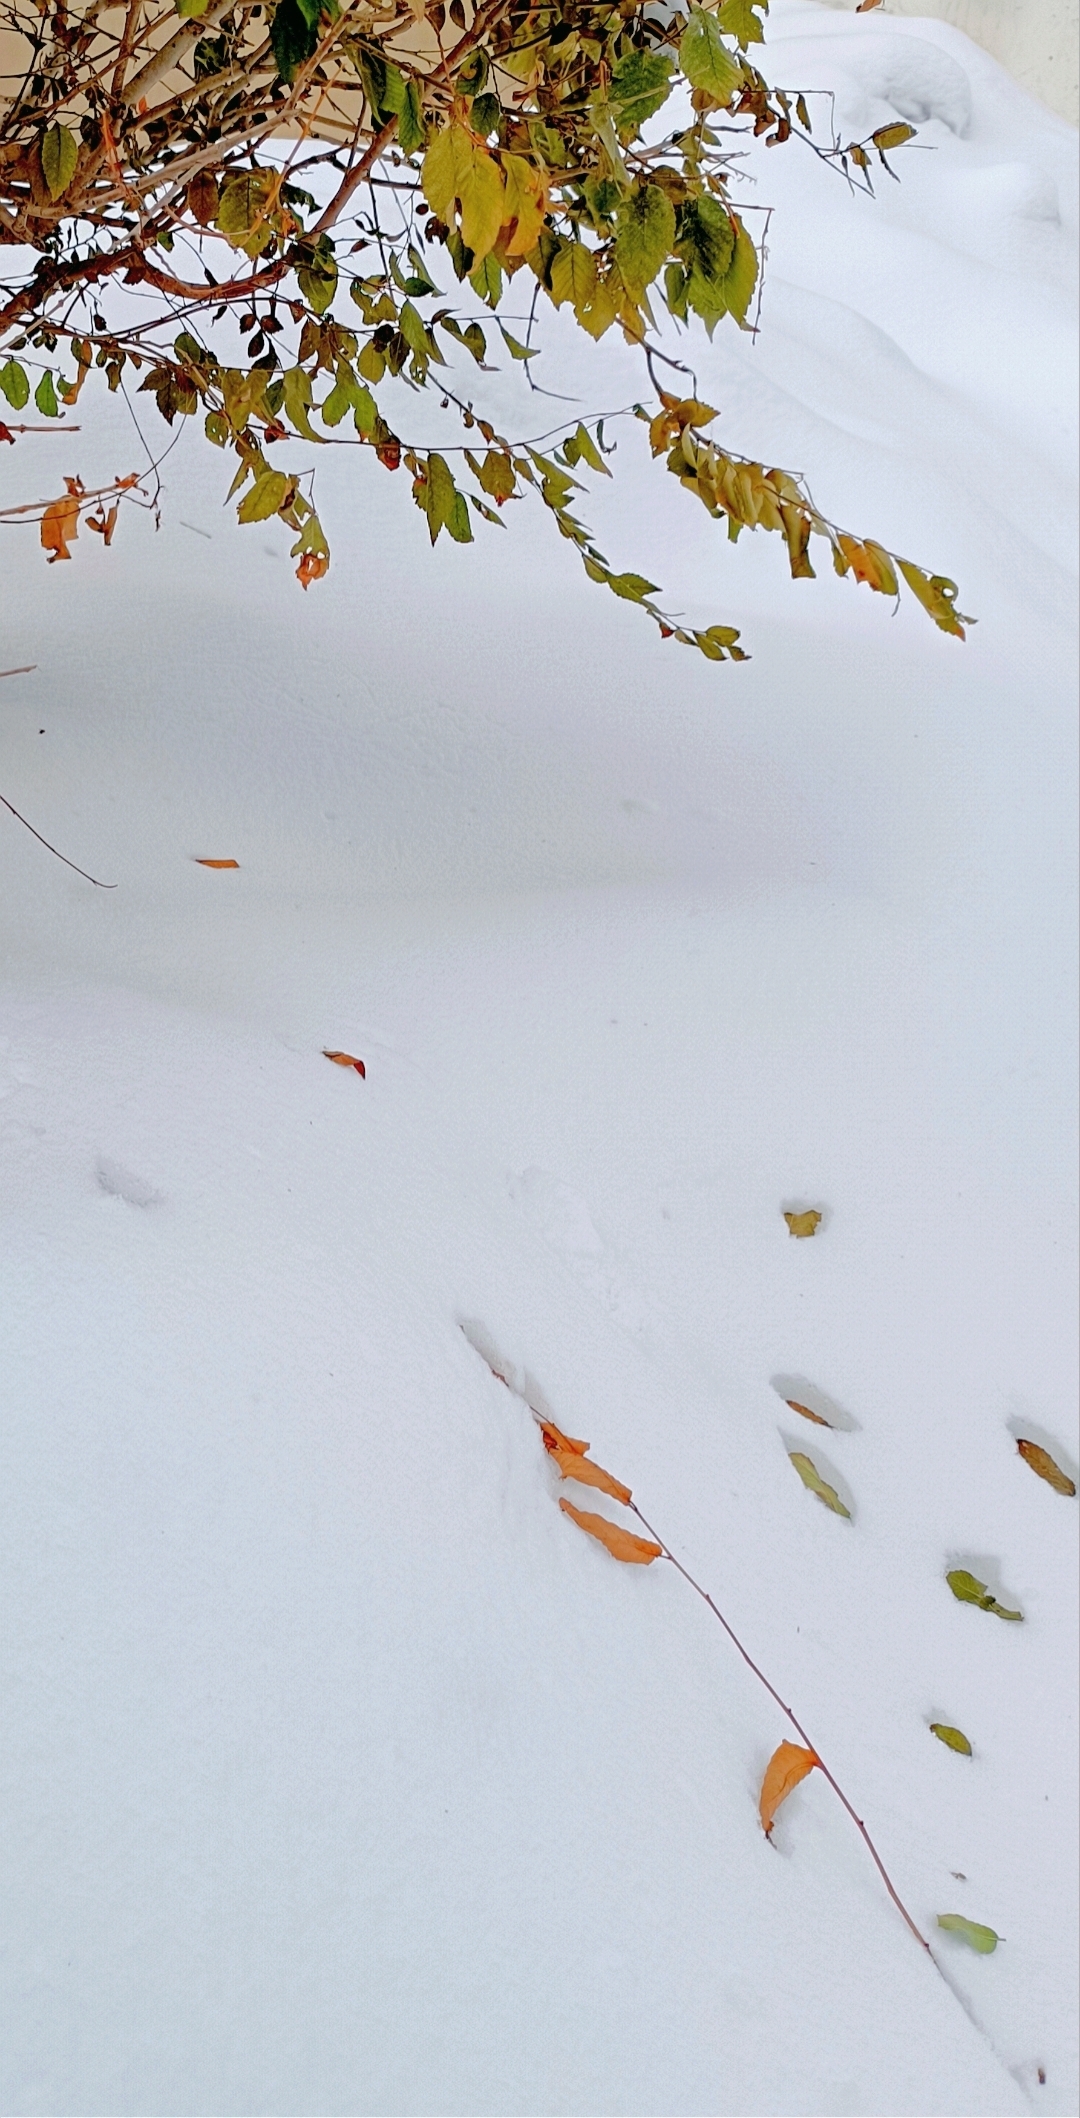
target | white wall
[{"x": 1038, "y": 40}]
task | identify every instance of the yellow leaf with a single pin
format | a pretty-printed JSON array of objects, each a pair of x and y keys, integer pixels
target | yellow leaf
[
  {"x": 785, "y": 1769},
  {"x": 458, "y": 173},
  {"x": 622, "y": 1544},
  {"x": 1043, "y": 1465},
  {"x": 60, "y": 524},
  {"x": 803, "y": 1224},
  {"x": 813, "y": 1480},
  {"x": 573, "y": 276},
  {"x": 524, "y": 205}
]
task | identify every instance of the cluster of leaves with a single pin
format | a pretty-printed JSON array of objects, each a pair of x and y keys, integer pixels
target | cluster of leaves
[{"x": 156, "y": 161}]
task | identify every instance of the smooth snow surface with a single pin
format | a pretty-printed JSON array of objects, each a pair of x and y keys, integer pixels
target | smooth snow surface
[{"x": 342, "y": 1773}]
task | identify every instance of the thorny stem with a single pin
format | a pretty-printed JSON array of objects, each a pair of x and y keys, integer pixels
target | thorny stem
[{"x": 797, "y": 1726}]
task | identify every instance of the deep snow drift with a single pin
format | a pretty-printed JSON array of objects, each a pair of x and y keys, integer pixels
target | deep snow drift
[{"x": 341, "y": 1772}]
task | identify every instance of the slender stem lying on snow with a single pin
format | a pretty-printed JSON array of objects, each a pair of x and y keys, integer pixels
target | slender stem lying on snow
[
  {"x": 44, "y": 841},
  {"x": 797, "y": 1725}
]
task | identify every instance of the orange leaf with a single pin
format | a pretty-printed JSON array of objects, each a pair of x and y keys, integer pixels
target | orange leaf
[
  {"x": 199, "y": 862},
  {"x": 346, "y": 1059},
  {"x": 785, "y": 1769},
  {"x": 553, "y": 1440},
  {"x": 60, "y": 527},
  {"x": 635, "y": 1551},
  {"x": 1042, "y": 1463},
  {"x": 793, "y": 1405},
  {"x": 572, "y": 1465}
]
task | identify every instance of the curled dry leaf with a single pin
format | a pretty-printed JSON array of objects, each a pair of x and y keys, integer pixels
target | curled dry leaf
[
  {"x": 981, "y": 1938},
  {"x": 571, "y": 1460},
  {"x": 554, "y": 1440},
  {"x": 803, "y": 1224},
  {"x": 572, "y": 1465},
  {"x": 622, "y": 1544},
  {"x": 967, "y": 1589},
  {"x": 811, "y": 1477},
  {"x": 953, "y": 1738},
  {"x": 60, "y": 522},
  {"x": 346, "y": 1059},
  {"x": 1043, "y": 1465},
  {"x": 794, "y": 1406},
  {"x": 201, "y": 863},
  {"x": 787, "y": 1766}
]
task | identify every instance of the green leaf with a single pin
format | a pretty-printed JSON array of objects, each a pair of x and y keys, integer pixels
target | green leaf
[
  {"x": 640, "y": 86},
  {"x": 645, "y": 233},
  {"x": 633, "y": 588},
  {"x": 967, "y": 1589},
  {"x": 486, "y": 280},
  {"x": 444, "y": 506},
  {"x": 811, "y": 1477},
  {"x": 705, "y": 58},
  {"x": 293, "y": 39},
  {"x": 582, "y": 448},
  {"x": 738, "y": 19},
  {"x": 982, "y": 1939},
  {"x": 242, "y": 203},
  {"x": 458, "y": 174},
  {"x": 410, "y": 128},
  {"x": 15, "y": 384},
  {"x": 265, "y": 497},
  {"x": 741, "y": 276},
  {"x": 192, "y": 8},
  {"x": 45, "y": 397},
  {"x": 317, "y": 276},
  {"x": 953, "y": 1738},
  {"x": 515, "y": 348},
  {"x": 59, "y": 159},
  {"x": 296, "y": 401}
]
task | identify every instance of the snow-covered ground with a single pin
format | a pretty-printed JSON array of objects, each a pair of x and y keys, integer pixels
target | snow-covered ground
[{"x": 341, "y": 1773}]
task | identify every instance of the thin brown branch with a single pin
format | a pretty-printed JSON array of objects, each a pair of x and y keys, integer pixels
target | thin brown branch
[{"x": 44, "y": 841}]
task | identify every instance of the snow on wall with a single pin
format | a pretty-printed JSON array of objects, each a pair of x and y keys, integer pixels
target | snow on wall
[{"x": 1038, "y": 40}]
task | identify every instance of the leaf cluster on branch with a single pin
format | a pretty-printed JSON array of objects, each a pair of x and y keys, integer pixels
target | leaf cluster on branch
[{"x": 237, "y": 206}]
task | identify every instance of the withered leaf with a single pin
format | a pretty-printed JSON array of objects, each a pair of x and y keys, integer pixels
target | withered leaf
[
  {"x": 201, "y": 863},
  {"x": 793, "y": 1405},
  {"x": 347, "y": 1059},
  {"x": 622, "y": 1544},
  {"x": 812, "y": 1478},
  {"x": 953, "y": 1738},
  {"x": 803, "y": 1224},
  {"x": 1043, "y": 1465},
  {"x": 553, "y": 1439},
  {"x": 571, "y": 1464},
  {"x": 787, "y": 1766}
]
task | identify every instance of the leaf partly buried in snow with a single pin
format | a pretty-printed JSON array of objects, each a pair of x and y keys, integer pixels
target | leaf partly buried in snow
[
  {"x": 953, "y": 1738},
  {"x": 622, "y": 1544},
  {"x": 811, "y": 1477},
  {"x": 787, "y": 1766},
  {"x": 1043, "y": 1465},
  {"x": 570, "y": 1463},
  {"x": 967, "y": 1589},
  {"x": 554, "y": 1440},
  {"x": 981, "y": 1938},
  {"x": 200, "y": 863},
  {"x": 347, "y": 1059},
  {"x": 793, "y": 1405},
  {"x": 803, "y": 1224}
]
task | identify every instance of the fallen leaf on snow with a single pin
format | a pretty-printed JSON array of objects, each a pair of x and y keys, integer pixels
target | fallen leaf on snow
[
  {"x": 201, "y": 863},
  {"x": 622, "y": 1544},
  {"x": 785, "y": 1769},
  {"x": 554, "y": 1440},
  {"x": 346, "y": 1059},
  {"x": 811, "y": 1477},
  {"x": 953, "y": 1738},
  {"x": 1043, "y": 1465},
  {"x": 803, "y": 1224},
  {"x": 967, "y": 1589},
  {"x": 794, "y": 1406},
  {"x": 981, "y": 1938}
]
